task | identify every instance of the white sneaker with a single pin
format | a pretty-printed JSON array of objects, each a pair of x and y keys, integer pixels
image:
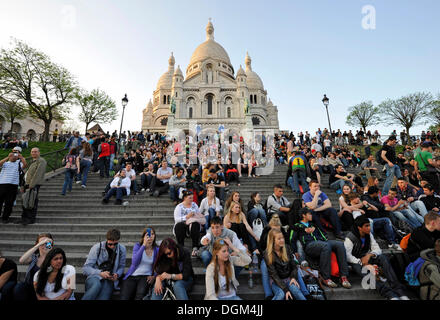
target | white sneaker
[
  {"x": 143, "y": 189},
  {"x": 78, "y": 182},
  {"x": 395, "y": 246},
  {"x": 404, "y": 298},
  {"x": 125, "y": 203},
  {"x": 83, "y": 186},
  {"x": 394, "y": 299}
]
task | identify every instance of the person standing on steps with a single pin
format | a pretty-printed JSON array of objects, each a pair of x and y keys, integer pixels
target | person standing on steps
[
  {"x": 388, "y": 155},
  {"x": 71, "y": 168},
  {"x": 104, "y": 158},
  {"x": 104, "y": 266},
  {"x": 85, "y": 160},
  {"x": 12, "y": 166},
  {"x": 34, "y": 178}
]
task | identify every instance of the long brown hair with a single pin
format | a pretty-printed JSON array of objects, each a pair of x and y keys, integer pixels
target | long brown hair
[
  {"x": 271, "y": 247},
  {"x": 229, "y": 213},
  {"x": 87, "y": 149},
  {"x": 217, "y": 246},
  {"x": 229, "y": 200},
  {"x": 145, "y": 232}
]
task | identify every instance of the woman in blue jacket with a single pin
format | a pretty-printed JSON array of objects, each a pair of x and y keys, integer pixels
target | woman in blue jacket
[{"x": 140, "y": 277}]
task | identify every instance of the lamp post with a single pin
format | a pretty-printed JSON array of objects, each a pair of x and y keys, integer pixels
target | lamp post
[
  {"x": 124, "y": 103},
  {"x": 325, "y": 101}
]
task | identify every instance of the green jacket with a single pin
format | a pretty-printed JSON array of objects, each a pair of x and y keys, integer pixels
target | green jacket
[{"x": 35, "y": 173}]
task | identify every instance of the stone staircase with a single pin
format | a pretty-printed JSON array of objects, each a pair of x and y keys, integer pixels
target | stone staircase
[{"x": 79, "y": 220}]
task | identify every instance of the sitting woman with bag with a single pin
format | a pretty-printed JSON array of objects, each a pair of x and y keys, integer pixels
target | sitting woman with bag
[
  {"x": 220, "y": 280},
  {"x": 173, "y": 264},
  {"x": 282, "y": 268},
  {"x": 140, "y": 277},
  {"x": 210, "y": 206},
  {"x": 255, "y": 209}
]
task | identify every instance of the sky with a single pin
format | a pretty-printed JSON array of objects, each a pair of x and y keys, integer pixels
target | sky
[{"x": 351, "y": 50}]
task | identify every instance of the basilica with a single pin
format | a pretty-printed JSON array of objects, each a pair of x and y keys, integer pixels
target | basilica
[{"x": 211, "y": 95}]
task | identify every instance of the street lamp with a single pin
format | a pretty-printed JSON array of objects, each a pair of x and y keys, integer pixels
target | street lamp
[
  {"x": 124, "y": 103},
  {"x": 325, "y": 101}
]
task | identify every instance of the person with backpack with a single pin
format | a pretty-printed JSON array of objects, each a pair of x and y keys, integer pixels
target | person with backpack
[
  {"x": 104, "y": 266},
  {"x": 278, "y": 204},
  {"x": 429, "y": 275},
  {"x": 364, "y": 254},
  {"x": 317, "y": 246},
  {"x": 297, "y": 164},
  {"x": 389, "y": 159},
  {"x": 10, "y": 177},
  {"x": 425, "y": 236},
  {"x": 71, "y": 165}
]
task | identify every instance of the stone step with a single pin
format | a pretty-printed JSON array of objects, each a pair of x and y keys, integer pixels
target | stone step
[
  {"x": 89, "y": 228},
  {"x": 115, "y": 219}
]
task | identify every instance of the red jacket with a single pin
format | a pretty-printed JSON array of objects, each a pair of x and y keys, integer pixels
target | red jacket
[{"x": 105, "y": 150}]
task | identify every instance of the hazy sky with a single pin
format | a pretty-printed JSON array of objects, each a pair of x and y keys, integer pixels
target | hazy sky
[{"x": 300, "y": 49}]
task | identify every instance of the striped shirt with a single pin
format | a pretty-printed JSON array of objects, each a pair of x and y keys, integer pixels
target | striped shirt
[{"x": 9, "y": 173}]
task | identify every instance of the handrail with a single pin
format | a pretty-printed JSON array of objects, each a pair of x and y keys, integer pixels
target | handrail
[{"x": 55, "y": 164}]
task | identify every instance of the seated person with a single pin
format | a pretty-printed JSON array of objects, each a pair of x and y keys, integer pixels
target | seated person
[
  {"x": 131, "y": 174},
  {"x": 363, "y": 251},
  {"x": 236, "y": 221},
  {"x": 425, "y": 236},
  {"x": 8, "y": 279},
  {"x": 160, "y": 183},
  {"x": 221, "y": 270},
  {"x": 210, "y": 206},
  {"x": 232, "y": 173},
  {"x": 216, "y": 232},
  {"x": 400, "y": 209},
  {"x": 120, "y": 187},
  {"x": 369, "y": 168},
  {"x": 430, "y": 200},
  {"x": 188, "y": 221},
  {"x": 218, "y": 182},
  {"x": 282, "y": 268},
  {"x": 429, "y": 275},
  {"x": 173, "y": 263},
  {"x": 408, "y": 193},
  {"x": 278, "y": 204},
  {"x": 147, "y": 177},
  {"x": 316, "y": 245},
  {"x": 339, "y": 178},
  {"x": 320, "y": 205},
  {"x": 177, "y": 182},
  {"x": 256, "y": 210},
  {"x": 194, "y": 184},
  {"x": 104, "y": 266}
]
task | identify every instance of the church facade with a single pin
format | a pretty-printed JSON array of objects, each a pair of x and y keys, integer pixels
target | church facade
[{"x": 210, "y": 95}]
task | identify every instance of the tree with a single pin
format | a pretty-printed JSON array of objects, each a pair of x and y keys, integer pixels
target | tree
[
  {"x": 11, "y": 110},
  {"x": 96, "y": 107},
  {"x": 435, "y": 111},
  {"x": 408, "y": 111},
  {"x": 363, "y": 115},
  {"x": 35, "y": 80}
]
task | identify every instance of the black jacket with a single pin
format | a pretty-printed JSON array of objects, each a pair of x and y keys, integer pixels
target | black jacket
[
  {"x": 358, "y": 251},
  {"x": 279, "y": 269},
  {"x": 430, "y": 201},
  {"x": 305, "y": 238},
  {"x": 184, "y": 264},
  {"x": 421, "y": 239}
]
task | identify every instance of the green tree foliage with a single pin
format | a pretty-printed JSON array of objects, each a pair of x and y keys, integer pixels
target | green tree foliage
[
  {"x": 96, "y": 107},
  {"x": 33, "y": 79}
]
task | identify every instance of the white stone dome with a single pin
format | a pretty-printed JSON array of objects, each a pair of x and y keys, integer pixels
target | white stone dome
[
  {"x": 166, "y": 80},
  {"x": 253, "y": 79}
]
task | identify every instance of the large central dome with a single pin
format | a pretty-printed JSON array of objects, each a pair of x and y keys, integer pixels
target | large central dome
[{"x": 210, "y": 49}]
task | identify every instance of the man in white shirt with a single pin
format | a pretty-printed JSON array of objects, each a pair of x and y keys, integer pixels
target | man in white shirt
[
  {"x": 131, "y": 174},
  {"x": 316, "y": 146},
  {"x": 120, "y": 187},
  {"x": 160, "y": 183}
]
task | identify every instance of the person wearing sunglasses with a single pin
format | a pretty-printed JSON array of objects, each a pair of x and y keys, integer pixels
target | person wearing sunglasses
[
  {"x": 34, "y": 257},
  {"x": 104, "y": 266},
  {"x": 220, "y": 280},
  {"x": 173, "y": 263}
]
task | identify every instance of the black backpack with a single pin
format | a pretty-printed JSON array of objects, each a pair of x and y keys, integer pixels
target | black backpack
[{"x": 378, "y": 156}]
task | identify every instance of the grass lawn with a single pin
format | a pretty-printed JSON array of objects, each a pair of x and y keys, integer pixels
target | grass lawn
[
  {"x": 45, "y": 147},
  {"x": 374, "y": 149}
]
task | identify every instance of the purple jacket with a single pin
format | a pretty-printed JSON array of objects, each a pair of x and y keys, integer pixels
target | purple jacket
[{"x": 138, "y": 251}]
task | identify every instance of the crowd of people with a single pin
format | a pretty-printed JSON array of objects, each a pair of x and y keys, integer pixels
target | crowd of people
[{"x": 293, "y": 243}]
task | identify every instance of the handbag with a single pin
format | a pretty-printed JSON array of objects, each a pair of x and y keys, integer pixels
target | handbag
[
  {"x": 169, "y": 294},
  {"x": 257, "y": 227}
]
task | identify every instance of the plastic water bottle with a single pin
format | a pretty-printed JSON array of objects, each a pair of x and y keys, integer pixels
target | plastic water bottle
[
  {"x": 254, "y": 262},
  {"x": 250, "y": 282}
]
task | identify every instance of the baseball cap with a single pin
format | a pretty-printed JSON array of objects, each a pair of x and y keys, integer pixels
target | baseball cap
[{"x": 17, "y": 149}]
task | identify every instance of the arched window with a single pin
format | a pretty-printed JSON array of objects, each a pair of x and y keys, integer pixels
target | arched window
[
  {"x": 164, "y": 99},
  {"x": 209, "y": 98},
  {"x": 255, "y": 98},
  {"x": 252, "y": 99},
  {"x": 190, "y": 113}
]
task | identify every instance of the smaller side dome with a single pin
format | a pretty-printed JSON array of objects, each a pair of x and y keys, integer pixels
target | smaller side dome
[
  {"x": 178, "y": 72},
  {"x": 241, "y": 72}
]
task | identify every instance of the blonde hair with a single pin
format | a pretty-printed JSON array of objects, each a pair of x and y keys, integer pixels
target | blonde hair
[
  {"x": 271, "y": 247},
  {"x": 275, "y": 221},
  {"x": 216, "y": 247},
  {"x": 229, "y": 213}
]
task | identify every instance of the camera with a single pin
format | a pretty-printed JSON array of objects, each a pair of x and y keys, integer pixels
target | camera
[
  {"x": 15, "y": 154},
  {"x": 49, "y": 245},
  {"x": 367, "y": 206}
]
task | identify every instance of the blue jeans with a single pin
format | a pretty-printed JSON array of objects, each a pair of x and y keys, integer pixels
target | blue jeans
[
  {"x": 386, "y": 226},
  {"x": 390, "y": 173},
  {"x": 146, "y": 180},
  {"x": 265, "y": 279},
  {"x": 180, "y": 289},
  {"x": 211, "y": 214},
  {"x": 409, "y": 216},
  {"x": 206, "y": 257},
  {"x": 419, "y": 207},
  {"x": 119, "y": 192},
  {"x": 280, "y": 295},
  {"x": 174, "y": 193},
  {"x": 330, "y": 215},
  {"x": 231, "y": 298},
  {"x": 344, "y": 162},
  {"x": 255, "y": 213},
  {"x": 85, "y": 168},
  {"x": 97, "y": 289},
  {"x": 339, "y": 184},
  {"x": 298, "y": 177},
  {"x": 68, "y": 180},
  {"x": 112, "y": 157}
]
